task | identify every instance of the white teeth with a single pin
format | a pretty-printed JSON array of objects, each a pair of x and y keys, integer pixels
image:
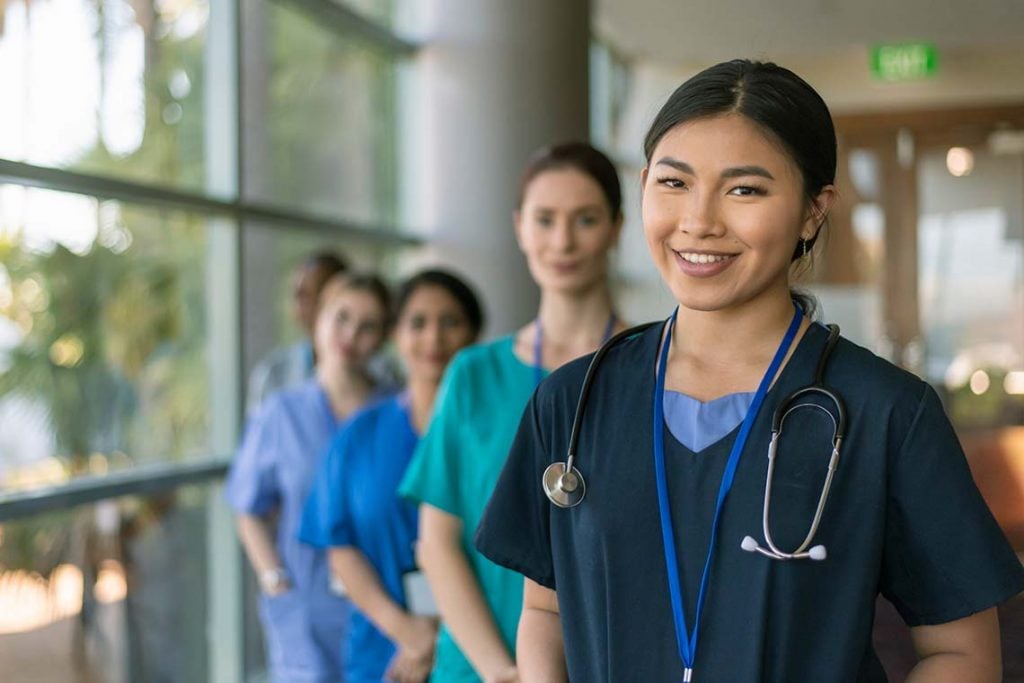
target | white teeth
[{"x": 701, "y": 258}]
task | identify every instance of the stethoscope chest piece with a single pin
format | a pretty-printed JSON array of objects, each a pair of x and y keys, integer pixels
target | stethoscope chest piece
[{"x": 564, "y": 488}]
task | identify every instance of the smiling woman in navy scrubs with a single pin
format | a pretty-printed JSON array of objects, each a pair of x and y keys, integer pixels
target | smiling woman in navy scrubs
[
  {"x": 353, "y": 509},
  {"x": 739, "y": 180}
]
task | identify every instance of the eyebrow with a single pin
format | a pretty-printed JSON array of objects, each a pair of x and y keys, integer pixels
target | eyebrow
[
  {"x": 578, "y": 209},
  {"x": 734, "y": 172}
]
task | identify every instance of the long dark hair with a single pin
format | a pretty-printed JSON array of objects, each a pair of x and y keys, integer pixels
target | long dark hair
[{"x": 780, "y": 103}]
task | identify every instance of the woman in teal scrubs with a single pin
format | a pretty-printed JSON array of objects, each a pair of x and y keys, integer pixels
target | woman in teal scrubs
[
  {"x": 353, "y": 509},
  {"x": 569, "y": 217}
]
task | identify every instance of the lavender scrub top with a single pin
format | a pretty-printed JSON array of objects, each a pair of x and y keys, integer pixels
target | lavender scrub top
[{"x": 271, "y": 475}]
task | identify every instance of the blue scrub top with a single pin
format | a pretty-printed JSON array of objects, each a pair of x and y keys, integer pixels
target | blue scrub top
[
  {"x": 273, "y": 470},
  {"x": 354, "y": 503}
]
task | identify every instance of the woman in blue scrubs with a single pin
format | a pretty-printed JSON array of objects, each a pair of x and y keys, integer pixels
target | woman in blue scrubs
[
  {"x": 353, "y": 508},
  {"x": 304, "y": 619},
  {"x": 661, "y": 572}
]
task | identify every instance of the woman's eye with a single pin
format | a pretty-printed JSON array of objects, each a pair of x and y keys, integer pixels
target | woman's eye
[
  {"x": 418, "y": 322},
  {"x": 545, "y": 221},
  {"x": 587, "y": 221},
  {"x": 674, "y": 183},
  {"x": 747, "y": 191},
  {"x": 451, "y": 322}
]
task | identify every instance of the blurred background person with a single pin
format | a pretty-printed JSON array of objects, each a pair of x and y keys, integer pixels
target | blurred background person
[
  {"x": 304, "y": 617},
  {"x": 569, "y": 218},
  {"x": 287, "y": 366},
  {"x": 353, "y": 508}
]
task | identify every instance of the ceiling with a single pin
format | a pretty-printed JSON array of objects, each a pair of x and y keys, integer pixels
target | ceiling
[{"x": 702, "y": 31}]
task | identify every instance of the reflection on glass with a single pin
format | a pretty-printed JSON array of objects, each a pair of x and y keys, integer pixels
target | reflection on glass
[
  {"x": 95, "y": 593},
  {"x": 321, "y": 136},
  {"x": 112, "y": 88},
  {"x": 102, "y": 336}
]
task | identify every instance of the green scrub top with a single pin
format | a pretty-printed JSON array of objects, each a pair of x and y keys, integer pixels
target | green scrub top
[{"x": 456, "y": 467}]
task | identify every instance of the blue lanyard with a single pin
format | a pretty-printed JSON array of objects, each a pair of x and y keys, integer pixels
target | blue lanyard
[
  {"x": 538, "y": 343},
  {"x": 687, "y": 641}
]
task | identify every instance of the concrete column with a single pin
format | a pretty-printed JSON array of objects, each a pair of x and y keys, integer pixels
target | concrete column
[{"x": 495, "y": 80}]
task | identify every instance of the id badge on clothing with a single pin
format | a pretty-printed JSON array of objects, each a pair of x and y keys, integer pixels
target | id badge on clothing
[{"x": 419, "y": 599}]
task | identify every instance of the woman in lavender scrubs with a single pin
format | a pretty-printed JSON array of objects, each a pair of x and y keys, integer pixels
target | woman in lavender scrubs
[{"x": 304, "y": 619}]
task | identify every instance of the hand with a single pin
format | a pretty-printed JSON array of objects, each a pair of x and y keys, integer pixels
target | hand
[
  {"x": 415, "y": 657},
  {"x": 509, "y": 675},
  {"x": 280, "y": 589},
  {"x": 274, "y": 581}
]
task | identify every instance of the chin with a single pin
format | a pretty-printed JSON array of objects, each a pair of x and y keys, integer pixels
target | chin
[{"x": 573, "y": 283}]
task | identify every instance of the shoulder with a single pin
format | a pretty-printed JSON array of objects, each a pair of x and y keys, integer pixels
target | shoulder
[
  {"x": 368, "y": 418},
  {"x": 479, "y": 368},
  {"x": 480, "y": 357},
  {"x": 860, "y": 371},
  {"x": 618, "y": 363},
  {"x": 293, "y": 397}
]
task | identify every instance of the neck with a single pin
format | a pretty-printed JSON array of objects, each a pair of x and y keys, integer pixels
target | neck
[
  {"x": 346, "y": 388},
  {"x": 572, "y": 325},
  {"x": 422, "y": 393},
  {"x": 575, "y": 318},
  {"x": 740, "y": 335}
]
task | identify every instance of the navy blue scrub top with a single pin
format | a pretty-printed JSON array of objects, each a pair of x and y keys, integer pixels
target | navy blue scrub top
[
  {"x": 353, "y": 503},
  {"x": 904, "y": 518}
]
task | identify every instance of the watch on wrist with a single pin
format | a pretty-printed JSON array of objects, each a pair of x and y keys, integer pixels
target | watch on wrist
[{"x": 272, "y": 580}]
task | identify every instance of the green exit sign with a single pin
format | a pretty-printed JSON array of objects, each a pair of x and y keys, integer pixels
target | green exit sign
[{"x": 904, "y": 61}]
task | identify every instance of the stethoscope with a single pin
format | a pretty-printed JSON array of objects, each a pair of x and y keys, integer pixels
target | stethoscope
[{"x": 566, "y": 487}]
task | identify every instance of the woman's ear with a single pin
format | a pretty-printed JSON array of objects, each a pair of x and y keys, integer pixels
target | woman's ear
[
  {"x": 818, "y": 211},
  {"x": 517, "y": 225}
]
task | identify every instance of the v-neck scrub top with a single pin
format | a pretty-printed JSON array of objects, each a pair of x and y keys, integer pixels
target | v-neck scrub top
[
  {"x": 479, "y": 404},
  {"x": 904, "y": 518},
  {"x": 273, "y": 470},
  {"x": 354, "y": 503}
]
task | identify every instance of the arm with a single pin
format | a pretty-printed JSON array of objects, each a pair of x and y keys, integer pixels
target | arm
[
  {"x": 541, "y": 652},
  {"x": 966, "y": 650},
  {"x": 458, "y": 595},
  {"x": 414, "y": 636},
  {"x": 258, "y": 541}
]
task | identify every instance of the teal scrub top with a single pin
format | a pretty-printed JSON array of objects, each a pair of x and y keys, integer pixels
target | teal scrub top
[{"x": 455, "y": 469}]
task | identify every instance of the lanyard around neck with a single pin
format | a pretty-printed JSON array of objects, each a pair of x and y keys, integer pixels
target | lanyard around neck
[
  {"x": 686, "y": 641},
  {"x": 538, "y": 346}
]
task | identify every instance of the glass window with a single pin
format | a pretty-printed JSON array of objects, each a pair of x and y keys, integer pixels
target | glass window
[
  {"x": 320, "y": 122},
  {"x": 122, "y": 96},
  {"x": 378, "y": 11},
  {"x": 94, "y": 592},
  {"x": 273, "y": 253},
  {"x": 103, "y": 336}
]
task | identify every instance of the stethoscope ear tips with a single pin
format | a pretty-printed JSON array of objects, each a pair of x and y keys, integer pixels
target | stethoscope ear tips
[{"x": 818, "y": 552}]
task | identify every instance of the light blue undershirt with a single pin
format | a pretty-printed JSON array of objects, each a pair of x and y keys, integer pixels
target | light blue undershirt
[{"x": 697, "y": 424}]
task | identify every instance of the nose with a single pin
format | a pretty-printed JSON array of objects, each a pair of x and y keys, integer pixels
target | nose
[
  {"x": 699, "y": 216},
  {"x": 347, "y": 333},
  {"x": 565, "y": 236},
  {"x": 435, "y": 336}
]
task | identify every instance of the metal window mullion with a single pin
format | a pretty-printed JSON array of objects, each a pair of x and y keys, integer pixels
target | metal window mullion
[
  {"x": 142, "y": 480},
  {"x": 349, "y": 24}
]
